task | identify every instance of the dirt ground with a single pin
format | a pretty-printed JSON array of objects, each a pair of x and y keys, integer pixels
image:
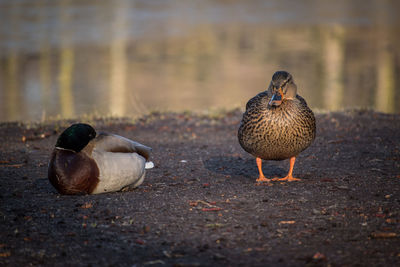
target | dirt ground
[{"x": 201, "y": 206}]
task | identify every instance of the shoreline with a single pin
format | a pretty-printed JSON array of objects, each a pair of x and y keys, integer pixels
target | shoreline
[{"x": 212, "y": 114}]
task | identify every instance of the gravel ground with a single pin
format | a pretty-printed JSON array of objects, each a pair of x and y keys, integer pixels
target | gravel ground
[{"x": 201, "y": 206}]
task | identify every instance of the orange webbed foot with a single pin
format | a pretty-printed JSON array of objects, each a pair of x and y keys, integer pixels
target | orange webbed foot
[
  {"x": 261, "y": 177},
  {"x": 289, "y": 177}
]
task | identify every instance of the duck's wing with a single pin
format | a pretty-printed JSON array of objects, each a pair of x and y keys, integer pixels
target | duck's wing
[
  {"x": 256, "y": 99},
  {"x": 302, "y": 100},
  {"x": 115, "y": 143}
]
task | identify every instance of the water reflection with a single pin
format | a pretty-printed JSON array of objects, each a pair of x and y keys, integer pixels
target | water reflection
[
  {"x": 334, "y": 51},
  {"x": 71, "y": 58},
  {"x": 12, "y": 85},
  {"x": 385, "y": 93},
  {"x": 11, "y": 70},
  {"x": 67, "y": 61}
]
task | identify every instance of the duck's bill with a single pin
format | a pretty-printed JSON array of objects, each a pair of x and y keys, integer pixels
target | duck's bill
[{"x": 276, "y": 100}]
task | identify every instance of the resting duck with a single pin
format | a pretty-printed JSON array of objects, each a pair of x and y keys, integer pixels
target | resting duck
[
  {"x": 277, "y": 124},
  {"x": 83, "y": 163}
]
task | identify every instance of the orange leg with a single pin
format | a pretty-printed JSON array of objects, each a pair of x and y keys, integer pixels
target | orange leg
[
  {"x": 289, "y": 177},
  {"x": 261, "y": 177}
]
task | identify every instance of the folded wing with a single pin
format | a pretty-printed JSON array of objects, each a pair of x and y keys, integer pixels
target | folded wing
[{"x": 115, "y": 143}]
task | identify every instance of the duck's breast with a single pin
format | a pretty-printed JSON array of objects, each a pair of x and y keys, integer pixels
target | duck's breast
[
  {"x": 277, "y": 133},
  {"x": 72, "y": 173},
  {"x": 118, "y": 170}
]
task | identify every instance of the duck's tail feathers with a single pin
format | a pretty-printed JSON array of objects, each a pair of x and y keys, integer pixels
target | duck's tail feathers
[{"x": 149, "y": 165}]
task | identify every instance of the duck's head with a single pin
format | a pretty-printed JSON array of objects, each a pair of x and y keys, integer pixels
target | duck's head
[
  {"x": 282, "y": 87},
  {"x": 76, "y": 137}
]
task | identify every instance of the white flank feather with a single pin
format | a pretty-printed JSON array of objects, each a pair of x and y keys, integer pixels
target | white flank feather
[{"x": 149, "y": 165}]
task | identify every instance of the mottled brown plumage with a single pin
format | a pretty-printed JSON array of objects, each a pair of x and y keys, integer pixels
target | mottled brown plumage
[{"x": 277, "y": 123}]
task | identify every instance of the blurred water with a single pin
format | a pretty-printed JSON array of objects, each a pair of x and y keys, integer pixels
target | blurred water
[{"x": 72, "y": 57}]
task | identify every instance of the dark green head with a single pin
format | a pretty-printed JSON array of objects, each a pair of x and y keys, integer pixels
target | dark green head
[{"x": 76, "y": 137}]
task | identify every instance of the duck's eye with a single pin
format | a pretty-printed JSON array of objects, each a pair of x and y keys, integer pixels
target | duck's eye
[
  {"x": 284, "y": 88},
  {"x": 285, "y": 83}
]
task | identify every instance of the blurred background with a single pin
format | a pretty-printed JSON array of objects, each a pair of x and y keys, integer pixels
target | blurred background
[{"x": 67, "y": 58}]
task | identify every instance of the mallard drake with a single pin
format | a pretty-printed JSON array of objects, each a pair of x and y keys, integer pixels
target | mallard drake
[
  {"x": 277, "y": 124},
  {"x": 85, "y": 163}
]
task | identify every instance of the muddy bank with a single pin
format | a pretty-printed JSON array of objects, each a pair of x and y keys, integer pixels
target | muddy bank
[{"x": 200, "y": 205}]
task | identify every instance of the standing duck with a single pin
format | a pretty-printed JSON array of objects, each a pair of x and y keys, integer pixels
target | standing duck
[
  {"x": 85, "y": 163},
  {"x": 277, "y": 124}
]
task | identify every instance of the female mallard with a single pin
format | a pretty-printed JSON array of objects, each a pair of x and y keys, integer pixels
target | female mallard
[
  {"x": 277, "y": 124},
  {"x": 83, "y": 163}
]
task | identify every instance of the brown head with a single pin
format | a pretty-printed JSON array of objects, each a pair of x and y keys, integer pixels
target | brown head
[{"x": 281, "y": 87}]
